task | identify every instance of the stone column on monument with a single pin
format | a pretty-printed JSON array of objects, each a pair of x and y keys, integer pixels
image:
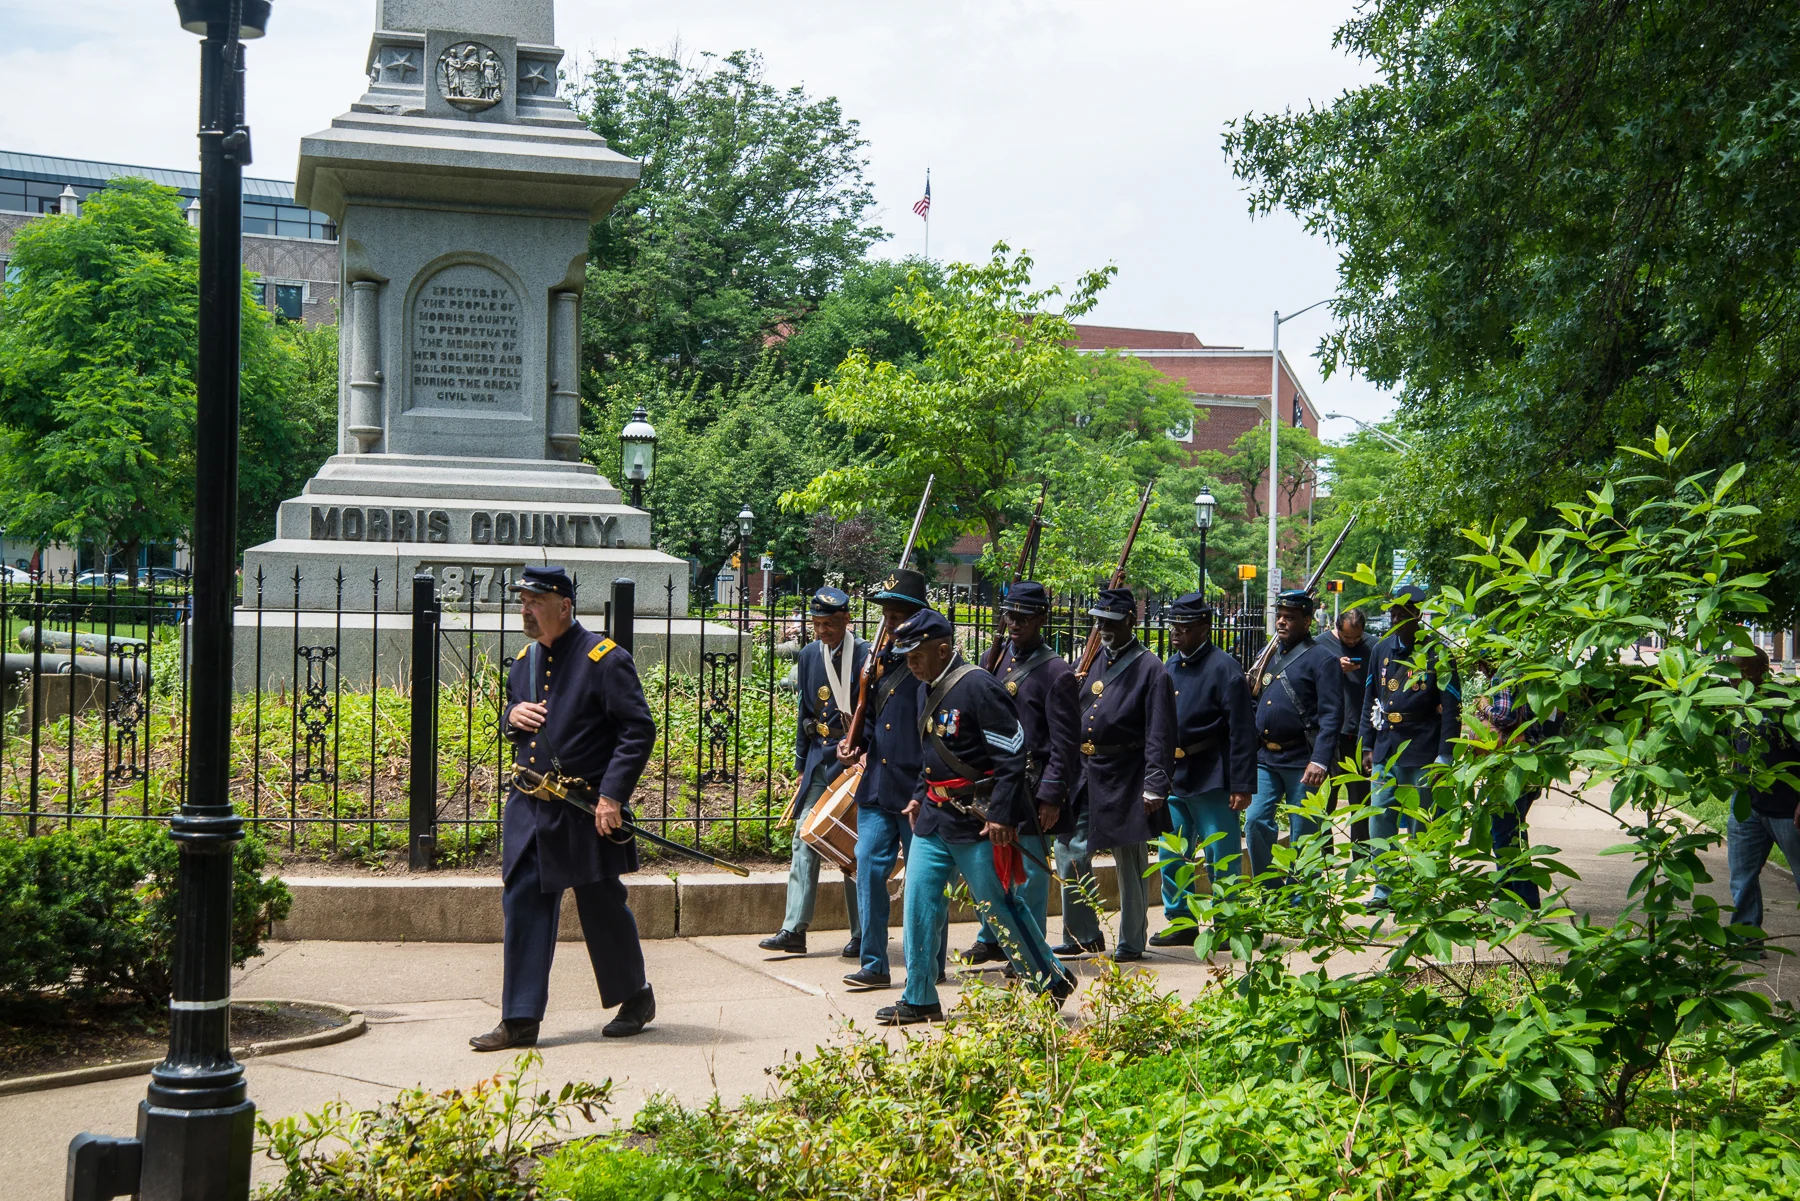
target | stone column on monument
[
  {"x": 365, "y": 424},
  {"x": 565, "y": 377}
]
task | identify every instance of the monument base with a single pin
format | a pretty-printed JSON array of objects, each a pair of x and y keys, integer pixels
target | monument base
[{"x": 365, "y": 524}]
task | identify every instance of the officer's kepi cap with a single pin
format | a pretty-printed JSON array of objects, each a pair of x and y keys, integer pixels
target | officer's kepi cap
[
  {"x": 922, "y": 627},
  {"x": 1295, "y": 598},
  {"x": 1026, "y": 596},
  {"x": 1189, "y": 606},
  {"x": 1409, "y": 594},
  {"x": 828, "y": 602},
  {"x": 546, "y": 579},
  {"x": 1115, "y": 604}
]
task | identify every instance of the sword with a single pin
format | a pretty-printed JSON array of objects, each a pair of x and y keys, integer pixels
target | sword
[{"x": 553, "y": 787}]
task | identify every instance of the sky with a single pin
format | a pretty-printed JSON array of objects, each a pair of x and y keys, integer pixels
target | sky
[{"x": 1086, "y": 132}]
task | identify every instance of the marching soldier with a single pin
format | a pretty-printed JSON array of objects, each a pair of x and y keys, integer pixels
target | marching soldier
[
  {"x": 1298, "y": 714},
  {"x": 1042, "y": 686},
  {"x": 1127, "y": 746},
  {"x": 1410, "y": 723},
  {"x": 1348, "y": 642},
  {"x": 968, "y": 802},
  {"x": 891, "y": 736},
  {"x": 574, "y": 705},
  {"x": 827, "y": 672},
  {"x": 1215, "y": 756}
]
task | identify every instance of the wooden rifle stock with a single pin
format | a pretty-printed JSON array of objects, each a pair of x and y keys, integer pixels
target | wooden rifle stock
[
  {"x": 871, "y": 672},
  {"x": 1027, "y": 552},
  {"x": 1092, "y": 650},
  {"x": 1255, "y": 674}
]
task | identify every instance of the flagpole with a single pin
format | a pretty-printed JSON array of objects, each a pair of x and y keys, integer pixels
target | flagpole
[{"x": 928, "y": 216}]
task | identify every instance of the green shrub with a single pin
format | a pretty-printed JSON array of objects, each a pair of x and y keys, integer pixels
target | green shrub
[
  {"x": 474, "y": 1144},
  {"x": 85, "y": 913},
  {"x": 594, "y": 1171}
]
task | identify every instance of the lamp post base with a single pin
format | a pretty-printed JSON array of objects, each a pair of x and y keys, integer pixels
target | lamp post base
[{"x": 196, "y": 1153}]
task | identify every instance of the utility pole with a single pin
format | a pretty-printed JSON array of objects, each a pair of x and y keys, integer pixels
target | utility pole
[{"x": 1275, "y": 456}]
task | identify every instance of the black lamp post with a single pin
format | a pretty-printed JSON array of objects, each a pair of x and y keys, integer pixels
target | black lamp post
[
  {"x": 746, "y": 521},
  {"x": 637, "y": 444},
  {"x": 1203, "y": 519},
  {"x": 196, "y": 1126}
]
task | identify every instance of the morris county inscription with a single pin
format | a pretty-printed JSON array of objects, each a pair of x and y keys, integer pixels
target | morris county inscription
[
  {"x": 482, "y": 527},
  {"x": 465, "y": 341}
]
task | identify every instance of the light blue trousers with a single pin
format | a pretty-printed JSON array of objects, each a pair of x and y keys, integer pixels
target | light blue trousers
[
  {"x": 803, "y": 870},
  {"x": 1035, "y": 890},
  {"x": 1275, "y": 786},
  {"x": 931, "y": 864},
  {"x": 1197, "y": 818},
  {"x": 1388, "y": 821}
]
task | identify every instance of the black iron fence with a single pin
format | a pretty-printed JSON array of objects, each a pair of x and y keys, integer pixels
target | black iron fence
[{"x": 358, "y": 732}]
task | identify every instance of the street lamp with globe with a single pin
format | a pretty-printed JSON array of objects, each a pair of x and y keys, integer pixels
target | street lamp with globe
[
  {"x": 637, "y": 444},
  {"x": 746, "y": 521},
  {"x": 1203, "y": 519}
]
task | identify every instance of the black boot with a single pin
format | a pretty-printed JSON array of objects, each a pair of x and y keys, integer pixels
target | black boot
[
  {"x": 788, "y": 942},
  {"x": 852, "y": 949},
  {"x": 1176, "y": 938},
  {"x": 903, "y": 1014},
  {"x": 634, "y": 1015},
  {"x": 512, "y": 1032},
  {"x": 983, "y": 952},
  {"x": 1069, "y": 948}
]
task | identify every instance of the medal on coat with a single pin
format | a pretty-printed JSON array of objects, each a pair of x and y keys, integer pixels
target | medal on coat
[
  {"x": 824, "y": 692},
  {"x": 1393, "y": 683},
  {"x": 1099, "y": 687}
]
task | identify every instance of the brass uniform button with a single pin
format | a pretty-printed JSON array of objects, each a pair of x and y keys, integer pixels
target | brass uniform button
[{"x": 1180, "y": 753}]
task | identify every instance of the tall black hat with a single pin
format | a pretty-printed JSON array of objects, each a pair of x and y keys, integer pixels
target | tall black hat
[{"x": 906, "y": 586}]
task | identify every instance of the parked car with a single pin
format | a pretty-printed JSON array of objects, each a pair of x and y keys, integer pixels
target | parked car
[
  {"x": 16, "y": 575},
  {"x": 100, "y": 579},
  {"x": 165, "y": 575}
]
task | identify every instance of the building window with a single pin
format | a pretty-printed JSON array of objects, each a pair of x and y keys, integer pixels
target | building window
[
  {"x": 288, "y": 299},
  {"x": 12, "y": 196}
]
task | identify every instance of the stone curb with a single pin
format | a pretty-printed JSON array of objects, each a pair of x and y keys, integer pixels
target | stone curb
[
  {"x": 433, "y": 908},
  {"x": 355, "y": 1025}
]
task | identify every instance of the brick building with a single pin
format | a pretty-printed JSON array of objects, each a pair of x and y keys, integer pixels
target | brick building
[
  {"x": 1228, "y": 384},
  {"x": 293, "y": 250}
]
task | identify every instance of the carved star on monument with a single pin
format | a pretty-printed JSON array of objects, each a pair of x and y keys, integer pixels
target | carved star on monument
[
  {"x": 537, "y": 76},
  {"x": 402, "y": 62}
]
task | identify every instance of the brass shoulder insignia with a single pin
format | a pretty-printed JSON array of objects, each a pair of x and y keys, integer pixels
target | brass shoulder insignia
[{"x": 601, "y": 649}]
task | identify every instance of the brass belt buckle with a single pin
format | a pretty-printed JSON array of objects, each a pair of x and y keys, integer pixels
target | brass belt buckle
[
  {"x": 1087, "y": 748},
  {"x": 1273, "y": 746},
  {"x": 1180, "y": 753}
]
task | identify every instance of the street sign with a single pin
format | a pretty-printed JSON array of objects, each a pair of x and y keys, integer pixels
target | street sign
[{"x": 1246, "y": 571}]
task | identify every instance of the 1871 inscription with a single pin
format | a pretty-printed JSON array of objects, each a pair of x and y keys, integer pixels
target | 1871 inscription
[{"x": 465, "y": 341}]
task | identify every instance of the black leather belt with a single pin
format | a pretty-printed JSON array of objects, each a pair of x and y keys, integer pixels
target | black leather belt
[
  {"x": 1114, "y": 748},
  {"x": 1194, "y": 748}
]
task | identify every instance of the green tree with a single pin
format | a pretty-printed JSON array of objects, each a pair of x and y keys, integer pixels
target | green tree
[
  {"x": 1561, "y": 224},
  {"x": 97, "y": 346},
  {"x": 859, "y": 315},
  {"x": 995, "y": 355},
  {"x": 291, "y": 430},
  {"x": 752, "y": 206}
]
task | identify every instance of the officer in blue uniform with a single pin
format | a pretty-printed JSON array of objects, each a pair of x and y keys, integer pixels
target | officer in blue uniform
[
  {"x": 1298, "y": 715},
  {"x": 968, "y": 802},
  {"x": 891, "y": 766},
  {"x": 1042, "y": 686},
  {"x": 1127, "y": 753},
  {"x": 575, "y": 706},
  {"x": 1413, "y": 715},
  {"x": 1215, "y": 756},
  {"x": 828, "y": 670}
]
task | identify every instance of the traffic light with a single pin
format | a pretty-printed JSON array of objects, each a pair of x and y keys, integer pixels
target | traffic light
[
  {"x": 1334, "y": 585},
  {"x": 1246, "y": 571}
]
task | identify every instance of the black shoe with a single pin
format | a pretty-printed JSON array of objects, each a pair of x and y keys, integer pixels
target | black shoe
[
  {"x": 981, "y": 952},
  {"x": 513, "y": 1032},
  {"x": 1069, "y": 948},
  {"x": 852, "y": 949},
  {"x": 634, "y": 1015},
  {"x": 943, "y": 978},
  {"x": 1061, "y": 989},
  {"x": 903, "y": 1014},
  {"x": 863, "y": 980},
  {"x": 790, "y": 942},
  {"x": 1122, "y": 955},
  {"x": 1176, "y": 938}
]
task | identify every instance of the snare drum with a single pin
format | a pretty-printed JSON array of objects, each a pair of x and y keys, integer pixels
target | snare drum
[{"x": 830, "y": 829}]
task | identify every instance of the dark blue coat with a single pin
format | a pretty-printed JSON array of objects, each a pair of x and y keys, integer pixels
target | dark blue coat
[
  {"x": 1298, "y": 724},
  {"x": 1353, "y": 680},
  {"x": 1127, "y": 745},
  {"x": 892, "y": 739},
  {"x": 1421, "y": 709},
  {"x": 815, "y": 749},
  {"x": 975, "y": 720},
  {"x": 1045, "y": 698},
  {"x": 1215, "y": 746},
  {"x": 598, "y": 729}
]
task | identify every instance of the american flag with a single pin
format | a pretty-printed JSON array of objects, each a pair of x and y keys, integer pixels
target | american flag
[{"x": 923, "y": 205}]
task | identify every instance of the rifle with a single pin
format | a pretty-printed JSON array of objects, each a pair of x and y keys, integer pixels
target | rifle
[
  {"x": 1092, "y": 650},
  {"x": 1027, "y": 552},
  {"x": 1255, "y": 674},
  {"x": 871, "y": 673}
]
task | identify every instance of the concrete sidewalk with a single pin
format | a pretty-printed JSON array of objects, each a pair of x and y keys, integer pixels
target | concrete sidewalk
[{"x": 726, "y": 1013}]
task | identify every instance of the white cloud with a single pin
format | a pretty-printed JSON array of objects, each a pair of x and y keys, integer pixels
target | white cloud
[{"x": 1085, "y": 132}]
